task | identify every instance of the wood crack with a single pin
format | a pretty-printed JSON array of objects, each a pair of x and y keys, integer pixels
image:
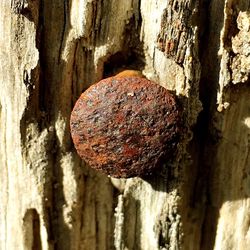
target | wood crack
[{"x": 65, "y": 11}]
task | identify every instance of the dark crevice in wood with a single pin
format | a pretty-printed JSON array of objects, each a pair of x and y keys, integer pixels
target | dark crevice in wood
[
  {"x": 121, "y": 61},
  {"x": 41, "y": 48},
  {"x": 35, "y": 83},
  {"x": 48, "y": 219},
  {"x": 32, "y": 234},
  {"x": 48, "y": 90},
  {"x": 65, "y": 20},
  {"x": 58, "y": 227},
  {"x": 83, "y": 69},
  {"x": 131, "y": 56},
  {"x": 204, "y": 134},
  {"x": 74, "y": 94}
]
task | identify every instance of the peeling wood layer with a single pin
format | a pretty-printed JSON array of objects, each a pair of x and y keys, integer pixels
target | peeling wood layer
[{"x": 177, "y": 28}]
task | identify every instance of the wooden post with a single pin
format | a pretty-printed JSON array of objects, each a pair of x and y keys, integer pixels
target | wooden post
[{"x": 51, "y": 51}]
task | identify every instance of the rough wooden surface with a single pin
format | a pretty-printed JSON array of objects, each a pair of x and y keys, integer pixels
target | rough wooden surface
[
  {"x": 228, "y": 207},
  {"x": 50, "y": 51}
]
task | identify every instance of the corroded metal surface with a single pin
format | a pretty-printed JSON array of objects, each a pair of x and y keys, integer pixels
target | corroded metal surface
[{"x": 125, "y": 126}]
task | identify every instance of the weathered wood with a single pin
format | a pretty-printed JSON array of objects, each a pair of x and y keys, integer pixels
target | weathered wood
[{"x": 50, "y": 51}]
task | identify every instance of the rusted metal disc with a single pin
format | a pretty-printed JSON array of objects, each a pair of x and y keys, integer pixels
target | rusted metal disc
[{"x": 125, "y": 126}]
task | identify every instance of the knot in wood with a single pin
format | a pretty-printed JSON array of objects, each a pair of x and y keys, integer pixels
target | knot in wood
[{"x": 125, "y": 126}]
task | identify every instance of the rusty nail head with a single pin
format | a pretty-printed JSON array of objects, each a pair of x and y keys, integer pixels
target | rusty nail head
[{"x": 125, "y": 125}]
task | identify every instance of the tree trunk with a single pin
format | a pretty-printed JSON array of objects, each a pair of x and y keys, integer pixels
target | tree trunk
[{"x": 51, "y": 51}]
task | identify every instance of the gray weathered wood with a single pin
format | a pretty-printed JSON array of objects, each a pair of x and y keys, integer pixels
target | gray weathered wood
[{"x": 50, "y": 51}]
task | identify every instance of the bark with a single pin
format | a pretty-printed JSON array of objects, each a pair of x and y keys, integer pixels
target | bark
[{"x": 51, "y": 51}]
